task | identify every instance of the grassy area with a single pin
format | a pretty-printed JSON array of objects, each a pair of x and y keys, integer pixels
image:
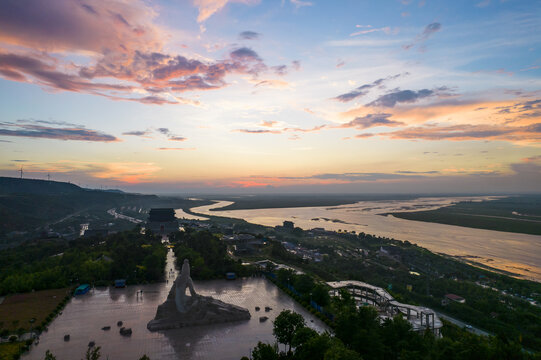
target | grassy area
[
  {"x": 10, "y": 350},
  {"x": 17, "y": 309},
  {"x": 520, "y": 214}
]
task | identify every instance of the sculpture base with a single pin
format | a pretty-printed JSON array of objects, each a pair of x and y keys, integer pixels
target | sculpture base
[{"x": 202, "y": 310}]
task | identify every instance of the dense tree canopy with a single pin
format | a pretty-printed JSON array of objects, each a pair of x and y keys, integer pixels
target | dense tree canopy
[{"x": 47, "y": 264}]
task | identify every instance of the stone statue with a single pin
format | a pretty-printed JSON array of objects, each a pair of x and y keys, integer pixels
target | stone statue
[
  {"x": 182, "y": 282},
  {"x": 180, "y": 310}
]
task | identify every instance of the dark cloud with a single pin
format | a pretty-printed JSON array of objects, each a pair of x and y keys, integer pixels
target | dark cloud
[
  {"x": 358, "y": 176},
  {"x": 89, "y": 8},
  {"x": 428, "y": 31},
  {"x": 417, "y": 172},
  {"x": 164, "y": 131},
  {"x": 157, "y": 100},
  {"x": 364, "y": 135},
  {"x": 195, "y": 82},
  {"x": 244, "y": 54},
  {"x": 172, "y": 68},
  {"x": 249, "y": 35},
  {"x": 527, "y": 168},
  {"x": 31, "y": 130},
  {"x": 47, "y": 75},
  {"x": 406, "y": 96},
  {"x": 19, "y": 160},
  {"x": 296, "y": 64},
  {"x": 136, "y": 133},
  {"x": 525, "y": 109},
  {"x": 528, "y": 133},
  {"x": 120, "y": 19},
  {"x": 364, "y": 89},
  {"x": 280, "y": 70},
  {"x": 371, "y": 120}
]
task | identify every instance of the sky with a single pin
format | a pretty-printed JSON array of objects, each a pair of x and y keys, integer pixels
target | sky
[{"x": 273, "y": 96}]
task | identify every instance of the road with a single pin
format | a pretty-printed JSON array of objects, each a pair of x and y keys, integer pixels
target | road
[
  {"x": 462, "y": 324},
  {"x": 123, "y": 217}
]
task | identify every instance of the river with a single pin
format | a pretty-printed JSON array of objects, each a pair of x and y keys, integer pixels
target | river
[{"x": 516, "y": 253}]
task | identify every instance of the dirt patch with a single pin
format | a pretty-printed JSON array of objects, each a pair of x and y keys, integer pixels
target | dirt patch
[{"x": 17, "y": 310}]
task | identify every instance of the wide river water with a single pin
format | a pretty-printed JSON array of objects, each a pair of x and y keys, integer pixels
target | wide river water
[{"x": 516, "y": 253}]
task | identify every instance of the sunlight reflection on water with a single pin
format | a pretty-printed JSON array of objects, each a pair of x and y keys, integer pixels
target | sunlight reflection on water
[{"x": 513, "y": 252}]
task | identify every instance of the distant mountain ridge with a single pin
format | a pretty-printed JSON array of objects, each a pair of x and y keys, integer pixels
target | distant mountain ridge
[{"x": 10, "y": 185}]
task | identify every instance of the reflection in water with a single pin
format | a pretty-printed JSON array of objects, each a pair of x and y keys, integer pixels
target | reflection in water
[
  {"x": 84, "y": 317},
  {"x": 516, "y": 253}
]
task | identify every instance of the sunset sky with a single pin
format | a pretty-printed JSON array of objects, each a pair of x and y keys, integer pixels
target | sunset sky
[{"x": 273, "y": 96}]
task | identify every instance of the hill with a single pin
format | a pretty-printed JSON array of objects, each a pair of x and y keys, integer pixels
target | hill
[
  {"x": 28, "y": 206},
  {"x": 9, "y": 185}
]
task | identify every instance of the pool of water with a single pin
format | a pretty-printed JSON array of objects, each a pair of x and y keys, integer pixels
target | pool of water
[{"x": 84, "y": 317}]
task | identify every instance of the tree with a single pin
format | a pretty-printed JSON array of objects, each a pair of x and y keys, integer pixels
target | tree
[
  {"x": 302, "y": 336},
  {"x": 264, "y": 352},
  {"x": 144, "y": 357},
  {"x": 93, "y": 353},
  {"x": 339, "y": 352},
  {"x": 303, "y": 283},
  {"x": 309, "y": 345},
  {"x": 297, "y": 232},
  {"x": 49, "y": 356},
  {"x": 285, "y": 326},
  {"x": 285, "y": 275},
  {"x": 321, "y": 295}
]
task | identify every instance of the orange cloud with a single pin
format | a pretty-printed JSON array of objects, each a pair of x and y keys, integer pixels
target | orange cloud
[
  {"x": 519, "y": 134},
  {"x": 523, "y": 112},
  {"x": 125, "y": 172}
]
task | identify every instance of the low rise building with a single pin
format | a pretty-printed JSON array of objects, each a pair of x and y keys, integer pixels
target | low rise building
[{"x": 455, "y": 298}]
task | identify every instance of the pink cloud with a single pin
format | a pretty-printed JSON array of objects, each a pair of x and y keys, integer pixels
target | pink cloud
[{"x": 123, "y": 52}]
